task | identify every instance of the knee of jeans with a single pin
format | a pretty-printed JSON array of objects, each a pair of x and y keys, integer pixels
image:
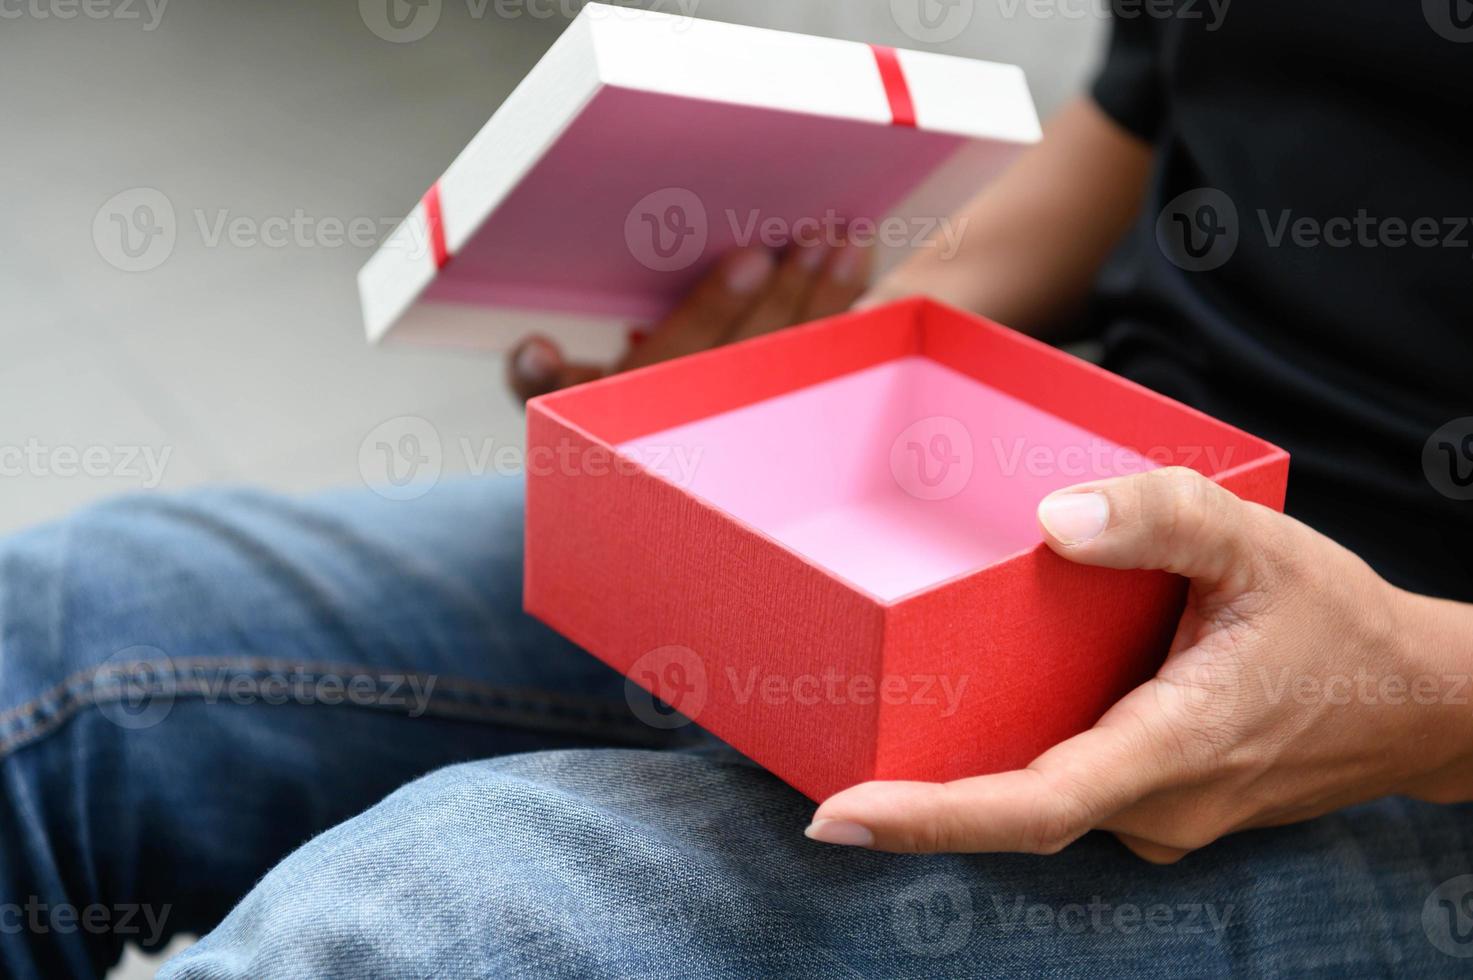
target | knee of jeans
[
  {"x": 504, "y": 863},
  {"x": 614, "y": 814}
]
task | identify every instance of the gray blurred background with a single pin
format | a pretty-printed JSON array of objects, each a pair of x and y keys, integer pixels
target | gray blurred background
[{"x": 245, "y": 362}]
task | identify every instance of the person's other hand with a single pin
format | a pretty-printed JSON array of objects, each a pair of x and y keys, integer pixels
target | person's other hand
[
  {"x": 749, "y": 293},
  {"x": 1299, "y": 682}
]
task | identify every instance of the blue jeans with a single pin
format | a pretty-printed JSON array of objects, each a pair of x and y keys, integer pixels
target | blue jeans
[{"x": 343, "y": 696}]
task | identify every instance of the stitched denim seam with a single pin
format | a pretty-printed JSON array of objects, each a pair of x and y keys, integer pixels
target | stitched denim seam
[
  {"x": 267, "y": 665},
  {"x": 456, "y": 698}
]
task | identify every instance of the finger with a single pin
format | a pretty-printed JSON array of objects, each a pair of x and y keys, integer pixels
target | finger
[
  {"x": 845, "y": 278},
  {"x": 711, "y": 312},
  {"x": 1151, "y": 851},
  {"x": 1173, "y": 519},
  {"x": 1064, "y": 793},
  {"x": 880, "y": 294},
  {"x": 782, "y": 303},
  {"x": 536, "y": 366}
]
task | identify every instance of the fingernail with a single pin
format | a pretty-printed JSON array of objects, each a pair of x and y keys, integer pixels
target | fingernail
[
  {"x": 843, "y": 832},
  {"x": 1075, "y": 518},
  {"x": 848, "y": 264},
  {"x": 810, "y": 257},
  {"x": 536, "y": 361},
  {"x": 747, "y": 270}
]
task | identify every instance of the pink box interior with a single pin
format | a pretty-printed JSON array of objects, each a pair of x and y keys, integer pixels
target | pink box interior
[{"x": 896, "y": 478}]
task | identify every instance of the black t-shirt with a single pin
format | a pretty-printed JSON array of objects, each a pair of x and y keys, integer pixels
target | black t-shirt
[{"x": 1303, "y": 266}]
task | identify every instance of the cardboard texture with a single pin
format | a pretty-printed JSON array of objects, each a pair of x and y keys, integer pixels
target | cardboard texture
[
  {"x": 821, "y": 544},
  {"x": 644, "y": 146}
]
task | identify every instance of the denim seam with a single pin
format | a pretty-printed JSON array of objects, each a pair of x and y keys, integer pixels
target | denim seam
[
  {"x": 264, "y": 665},
  {"x": 472, "y": 700}
]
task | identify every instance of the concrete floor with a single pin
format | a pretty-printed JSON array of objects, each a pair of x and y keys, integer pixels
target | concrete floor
[{"x": 245, "y": 362}]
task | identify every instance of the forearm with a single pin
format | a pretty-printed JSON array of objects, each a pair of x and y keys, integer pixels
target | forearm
[
  {"x": 1437, "y": 636},
  {"x": 1035, "y": 238}
]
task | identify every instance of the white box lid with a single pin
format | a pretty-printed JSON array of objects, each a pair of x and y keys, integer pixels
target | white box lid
[{"x": 644, "y": 146}]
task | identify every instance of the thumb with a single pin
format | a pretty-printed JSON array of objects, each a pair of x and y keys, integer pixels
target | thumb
[
  {"x": 1072, "y": 788},
  {"x": 1172, "y": 519},
  {"x": 536, "y": 366}
]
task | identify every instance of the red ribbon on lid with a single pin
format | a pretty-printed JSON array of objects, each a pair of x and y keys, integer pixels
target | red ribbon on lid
[
  {"x": 435, "y": 225},
  {"x": 897, "y": 90}
]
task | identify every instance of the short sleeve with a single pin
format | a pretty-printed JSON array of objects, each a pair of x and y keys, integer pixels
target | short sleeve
[{"x": 1128, "y": 87}]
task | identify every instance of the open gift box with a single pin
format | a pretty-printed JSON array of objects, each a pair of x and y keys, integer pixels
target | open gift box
[{"x": 821, "y": 545}]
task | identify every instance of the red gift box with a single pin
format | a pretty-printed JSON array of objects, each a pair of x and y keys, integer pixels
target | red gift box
[{"x": 821, "y": 545}]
